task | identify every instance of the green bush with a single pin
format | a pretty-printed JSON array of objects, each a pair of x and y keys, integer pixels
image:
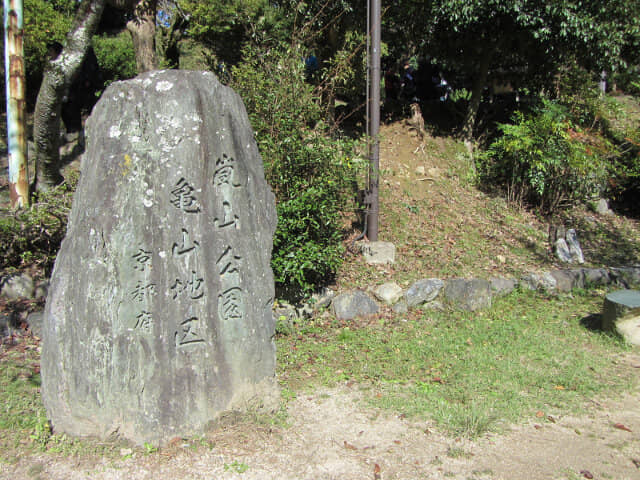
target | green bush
[
  {"x": 312, "y": 174},
  {"x": 546, "y": 160},
  {"x": 32, "y": 237},
  {"x": 115, "y": 56}
]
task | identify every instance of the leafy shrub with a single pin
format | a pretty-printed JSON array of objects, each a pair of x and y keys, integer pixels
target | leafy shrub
[
  {"x": 32, "y": 237},
  {"x": 546, "y": 160},
  {"x": 312, "y": 174},
  {"x": 44, "y": 22},
  {"x": 115, "y": 56}
]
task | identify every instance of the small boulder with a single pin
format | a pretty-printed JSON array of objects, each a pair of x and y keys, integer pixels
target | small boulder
[
  {"x": 566, "y": 280},
  {"x": 323, "y": 298},
  {"x": 539, "y": 281},
  {"x": 596, "y": 277},
  {"x": 423, "y": 291},
  {"x": 35, "y": 320},
  {"x": 562, "y": 251},
  {"x": 388, "y": 293},
  {"x": 602, "y": 207},
  {"x": 574, "y": 247},
  {"x": 400, "y": 307},
  {"x": 16, "y": 286},
  {"x": 353, "y": 304},
  {"x": 502, "y": 286},
  {"x": 468, "y": 295},
  {"x": 379, "y": 253}
]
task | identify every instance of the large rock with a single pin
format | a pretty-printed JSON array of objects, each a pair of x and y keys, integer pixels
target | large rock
[
  {"x": 502, "y": 286},
  {"x": 471, "y": 295},
  {"x": 353, "y": 304},
  {"x": 159, "y": 311},
  {"x": 423, "y": 291},
  {"x": 621, "y": 315}
]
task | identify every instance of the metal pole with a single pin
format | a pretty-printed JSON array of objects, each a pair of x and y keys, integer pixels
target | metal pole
[
  {"x": 374, "y": 111},
  {"x": 15, "y": 88}
]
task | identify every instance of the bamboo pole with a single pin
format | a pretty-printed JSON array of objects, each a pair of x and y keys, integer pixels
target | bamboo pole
[{"x": 15, "y": 88}]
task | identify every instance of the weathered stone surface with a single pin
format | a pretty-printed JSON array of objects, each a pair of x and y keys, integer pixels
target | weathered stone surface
[
  {"x": 5, "y": 324},
  {"x": 323, "y": 298},
  {"x": 626, "y": 276},
  {"x": 159, "y": 311},
  {"x": 378, "y": 252},
  {"x": 423, "y": 291},
  {"x": 602, "y": 207},
  {"x": 400, "y": 307},
  {"x": 468, "y": 295},
  {"x": 503, "y": 286},
  {"x": 35, "y": 320},
  {"x": 574, "y": 247},
  {"x": 42, "y": 289},
  {"x": 621, "y": 314},
  {"x": 596, "y": 277},
  {"x": 562, "y": 251},
  {"x": 17, "y": 286},
  {"x": 567, "y": 280},
  {"x": 388, "y": 293},
  {"x": 539, "y": 281},
  {"x": 353, "y": 304}
]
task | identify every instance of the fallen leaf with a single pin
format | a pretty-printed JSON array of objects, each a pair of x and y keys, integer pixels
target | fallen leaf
[
  {"x": 397, "y": 442},
  {"x": 559, "y": 387},
  {"x": 537, "y": 427},
  {"x": 586, "y": 474},
  {"x": 539, "y": 414},
  {"x": 437, "y": 380},
  {"x": 620, "y": 426},
  {"x": 348, "y": 446},
  {"x": 376, "y": 472}
]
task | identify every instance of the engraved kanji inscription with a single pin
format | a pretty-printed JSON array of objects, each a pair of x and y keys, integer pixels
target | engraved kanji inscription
[
  {"x": 228, "y": 262},
  {"x": 182, "y": 197},
  {"x": 188, "y": 333},
  {"x": 143, "y": 291},
  {"x": 186, "y": 247},
  {"x": 231, "y": 304},
  {"x": 141, "y": 259},
  {"x": 193, "y": 287},
  {"x": 223, "y": 175},
  {"x": 144, "y": 322},
  {"x": 229, "y": 218}
]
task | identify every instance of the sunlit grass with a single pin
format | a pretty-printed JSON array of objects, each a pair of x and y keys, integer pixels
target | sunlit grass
[{"x": 470, "y": 372}]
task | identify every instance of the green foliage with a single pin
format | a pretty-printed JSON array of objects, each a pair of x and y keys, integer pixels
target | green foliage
[
  {"x": 545, "y": 159},
  {"x": 310, "y": 172},
  {"x": 43, "y": 23},
  {"x": 115, "y": 56},
  {"x": 33, "y": 236}
]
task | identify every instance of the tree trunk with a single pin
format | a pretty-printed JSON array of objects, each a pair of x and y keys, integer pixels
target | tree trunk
[
  {"x": 479, "y": 83},
  {"x": 143, "y": 33},
  {"x": 55, "y": 85}
]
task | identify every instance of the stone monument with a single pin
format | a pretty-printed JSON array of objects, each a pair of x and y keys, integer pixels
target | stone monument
[{"x": 159, "y": 312}]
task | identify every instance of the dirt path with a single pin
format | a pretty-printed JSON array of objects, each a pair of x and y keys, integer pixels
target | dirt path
[{"x": 333, "y": 436}]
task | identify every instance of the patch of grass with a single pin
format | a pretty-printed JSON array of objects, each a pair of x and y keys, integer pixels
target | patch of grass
[
  {"x": 470, "y": 372},
  {"x": 23, "y": 423}
]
